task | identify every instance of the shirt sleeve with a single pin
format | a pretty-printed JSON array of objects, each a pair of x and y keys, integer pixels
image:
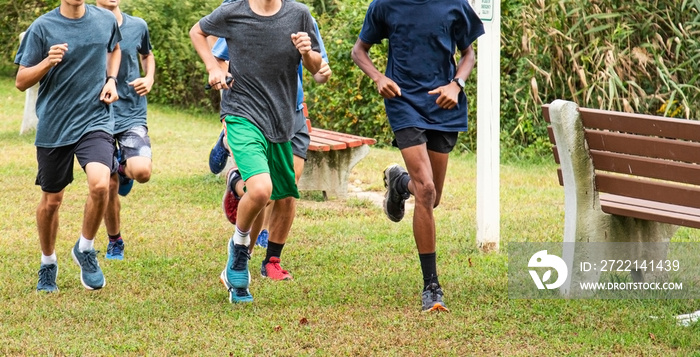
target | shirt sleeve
[
  {"x": 31, "y": 49},
  {"x": 146, "y": 46},
  {"x": 116, "y": 36},
  {"x": 214, "y": 24},
  {"x": 220, "y": 49},
  {"x": 324, "y": 55},
  {"x": 374, "y": 28},
  {"x": 468, "y": 28}
]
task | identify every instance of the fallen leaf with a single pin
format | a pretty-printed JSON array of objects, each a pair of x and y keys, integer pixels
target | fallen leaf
[
  {"x": 277, "y": 328},
  {"x": 303, "y": 321},
  {"x": 651, "y": 335},
  {"x": 470, "y": 262}
]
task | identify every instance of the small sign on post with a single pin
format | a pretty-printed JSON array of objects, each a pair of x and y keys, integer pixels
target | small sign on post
[{"x": 484, "y": 8}]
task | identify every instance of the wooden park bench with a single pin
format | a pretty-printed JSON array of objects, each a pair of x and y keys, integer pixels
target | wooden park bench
[
  {"x": 329, "y": 160},
  {"x": 626, "y": 177}
]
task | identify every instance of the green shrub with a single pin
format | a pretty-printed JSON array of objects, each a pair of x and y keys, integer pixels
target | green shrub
[
  {"x": 16, "y": 18},
  {"x": 180, "y": 73}
]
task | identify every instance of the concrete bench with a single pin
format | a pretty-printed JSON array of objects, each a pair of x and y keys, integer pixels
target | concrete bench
[
  {"x": 330, "y": 158},
  {"x": 626, "y": 177}
]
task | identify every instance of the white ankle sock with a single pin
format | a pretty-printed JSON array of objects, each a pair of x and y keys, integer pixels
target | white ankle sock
[
  {"x": 241, "y": 237},
  {"x": 49, "y": 259},
  {"x": 85, "y": 244}
]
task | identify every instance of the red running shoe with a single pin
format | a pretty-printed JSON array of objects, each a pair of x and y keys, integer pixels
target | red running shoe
[
  {"x": 274, "y": 271},
  {"x": 230, "y": 200}
]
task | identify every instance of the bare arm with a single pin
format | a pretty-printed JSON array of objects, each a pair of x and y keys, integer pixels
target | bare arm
[
  {"x": 309, "y": 58},
  {"x": 448, "y": 95},
  {"x": 323, "y": 74},
  {"x": 29, "y": 76},
  {"x": 109, "y": 90},
  {"x": 143, "y": 85},
  {"x": 360, "y": 55},
  {"x": 217, "y": 77}
]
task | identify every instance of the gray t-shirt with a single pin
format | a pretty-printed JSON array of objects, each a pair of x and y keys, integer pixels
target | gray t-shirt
[
  {"x": 68, "y": 105},
  {"x": 264, "y": 63},
  {"x": 130, "y": 109}
]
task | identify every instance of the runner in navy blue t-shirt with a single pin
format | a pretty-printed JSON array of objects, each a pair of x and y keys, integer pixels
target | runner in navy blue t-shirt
[{"x": 423, "y": 92}]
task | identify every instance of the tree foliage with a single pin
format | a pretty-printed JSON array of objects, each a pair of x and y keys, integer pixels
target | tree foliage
[{"x": 639, "y": 56}]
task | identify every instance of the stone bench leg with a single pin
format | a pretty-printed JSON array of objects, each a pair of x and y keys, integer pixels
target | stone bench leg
[
  {"x": 329, "y": 171},
  {"x": 584, "y": 220}
]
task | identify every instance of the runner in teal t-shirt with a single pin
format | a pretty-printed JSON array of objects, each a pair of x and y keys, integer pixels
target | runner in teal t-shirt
[
  {"x": 73, "y": 53},
  {"x": 130, "y": 130}
]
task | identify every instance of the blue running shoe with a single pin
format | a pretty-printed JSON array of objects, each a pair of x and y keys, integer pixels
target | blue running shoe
[
  {"x": 239, "y": 295},
  {"x": 236, "y": 274},
  {"x": 115, "y": 250},
  {"x": 90, "y": 273},
  {"x": 218, "y": 155},
  {"x": 125, "y": 183},
  {"x": 47, "y": 278},
  {"x": 262, "y": 239}
]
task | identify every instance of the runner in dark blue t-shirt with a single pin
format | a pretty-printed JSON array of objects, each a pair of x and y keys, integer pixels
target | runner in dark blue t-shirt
[{"x": 425, "y": 103}]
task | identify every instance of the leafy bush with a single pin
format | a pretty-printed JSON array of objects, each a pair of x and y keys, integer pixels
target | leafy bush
[
  {"x": 639, "y": 56},
  {"x": 16, "y": 18},
  {"x": 180, "y": 74}
]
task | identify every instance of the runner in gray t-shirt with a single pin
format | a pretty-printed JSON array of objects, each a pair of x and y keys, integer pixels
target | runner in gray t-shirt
[{"x": 266, "y": 41}]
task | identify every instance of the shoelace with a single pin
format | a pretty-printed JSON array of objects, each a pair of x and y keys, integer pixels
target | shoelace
[
  {"x": 117, "y": 248},
  {"x": 241, "y": 259},
  {"x": 46, "y": 272},
  {"x": 88, "y": 260}
]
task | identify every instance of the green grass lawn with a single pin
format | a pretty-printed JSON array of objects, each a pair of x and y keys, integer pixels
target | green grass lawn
[{"x": 357, "y": 276}]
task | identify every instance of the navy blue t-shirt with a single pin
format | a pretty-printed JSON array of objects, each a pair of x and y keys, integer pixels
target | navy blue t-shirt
[
  {"x": 130, "y": 109},
  {"x": 423, "y": 35},
  {"x": 68, "y": 104}
]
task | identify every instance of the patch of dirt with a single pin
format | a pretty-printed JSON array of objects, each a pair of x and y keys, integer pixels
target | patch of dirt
[{"x": 377, "y": 198}]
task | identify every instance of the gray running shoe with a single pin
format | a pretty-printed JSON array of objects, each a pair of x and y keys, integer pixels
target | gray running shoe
[
  {"x": 47, "y": 278},
  {"x": 394, "y": 202},
  {"x": 432, "y": 299},
  {"x": 90, "y": 273}
]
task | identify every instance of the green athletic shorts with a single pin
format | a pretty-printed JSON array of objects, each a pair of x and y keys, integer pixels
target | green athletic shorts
[{"x": 254, "y": 155}]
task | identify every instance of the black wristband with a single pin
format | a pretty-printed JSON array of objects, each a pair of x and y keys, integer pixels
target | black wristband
[{"x": 112, "y": 77}]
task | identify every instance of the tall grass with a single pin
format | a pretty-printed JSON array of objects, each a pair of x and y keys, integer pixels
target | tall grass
[{"x": 357, "y": 277}]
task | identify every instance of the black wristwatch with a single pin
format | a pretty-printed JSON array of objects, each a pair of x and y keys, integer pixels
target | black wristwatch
[
  {"x": 460, "y": 82},
  {"x": 112, "y": 77}
]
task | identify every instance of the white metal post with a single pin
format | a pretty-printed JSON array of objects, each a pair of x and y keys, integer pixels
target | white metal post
[{"x": 488, "y": 128}]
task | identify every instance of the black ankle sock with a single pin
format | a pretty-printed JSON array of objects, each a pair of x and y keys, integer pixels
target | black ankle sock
[
  {"x": 115, "y": 237},
  {"x": 273, "y": 250},
  {"x": 403, "y": 184},
  {"x": 429, "y": 268}
]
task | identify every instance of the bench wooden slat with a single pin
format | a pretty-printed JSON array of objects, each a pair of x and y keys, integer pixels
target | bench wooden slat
[
  {"x": 651, "y": 190},
  {"x": 316, "y": 146},
  {"x": 658, "y": 148},
  {"x": 649, "y": 210},
  {"x": 368, "y": 141},
  {"x": 349, "y": 141},
  {"x": 640, "y": 124},
  {"x": 646, "y": 167}
]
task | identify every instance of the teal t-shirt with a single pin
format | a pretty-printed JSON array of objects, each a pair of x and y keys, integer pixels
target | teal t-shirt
[
  {"x": 130, "y": 109},
  {"x": 68, "y": 105}
]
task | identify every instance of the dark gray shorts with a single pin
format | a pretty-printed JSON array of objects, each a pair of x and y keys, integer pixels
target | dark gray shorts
[
  {"x": 434, "y": 140},
  {"x": 301, "y": 139},
  {"x": 56, "y": 164}
]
